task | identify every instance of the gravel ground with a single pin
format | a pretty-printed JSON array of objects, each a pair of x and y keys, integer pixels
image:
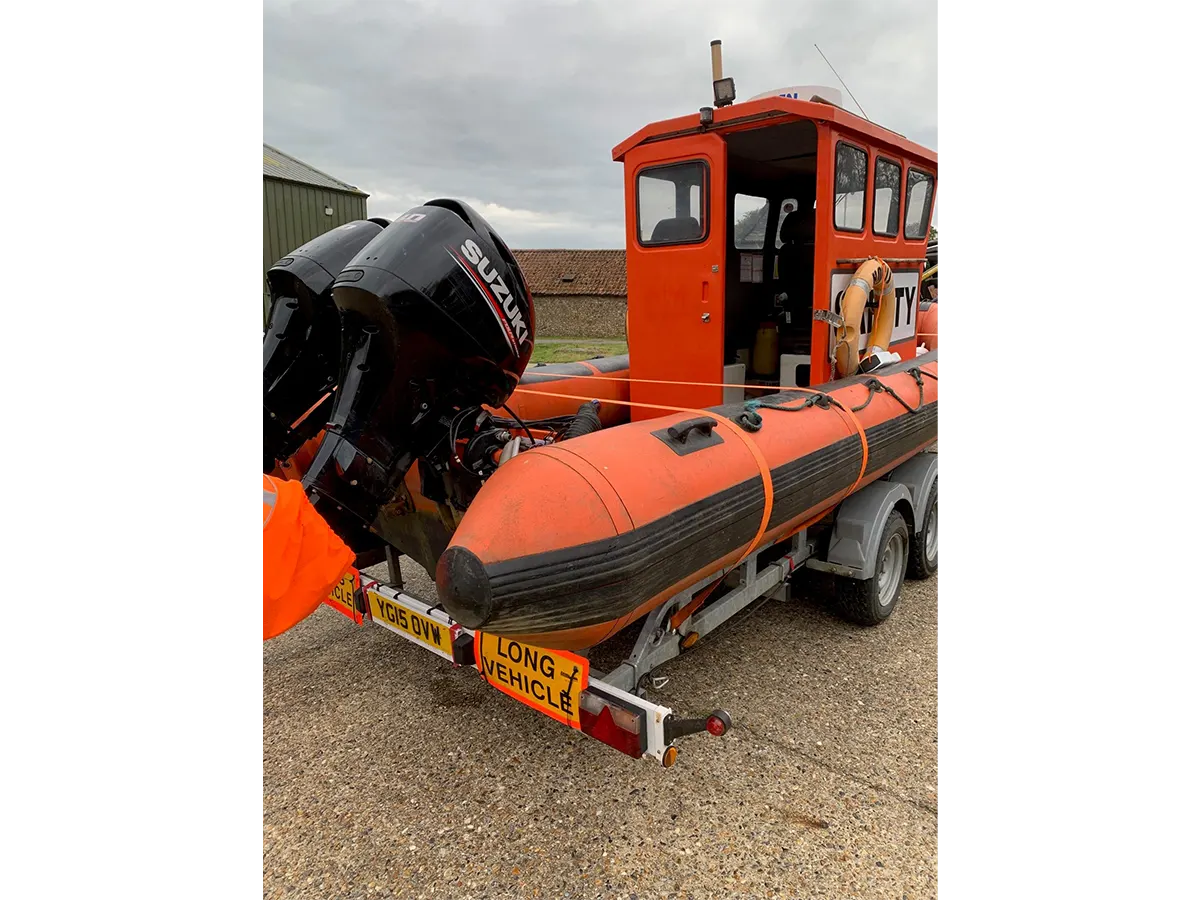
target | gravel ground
[{"x": 389, "y": 774}]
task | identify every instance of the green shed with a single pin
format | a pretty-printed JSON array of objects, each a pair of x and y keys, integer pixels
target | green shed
[{"x": 300, "y": 203}]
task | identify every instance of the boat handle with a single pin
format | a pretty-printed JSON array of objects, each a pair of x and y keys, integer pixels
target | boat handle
[{"x": 680, "y": 430}]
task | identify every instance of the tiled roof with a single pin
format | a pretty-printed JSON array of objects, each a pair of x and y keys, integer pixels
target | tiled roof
[
  {"x": 573, "y": 272},
  {"x": 277, "y": 164}
]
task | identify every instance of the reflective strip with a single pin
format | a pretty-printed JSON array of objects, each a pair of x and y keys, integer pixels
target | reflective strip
[
  {"x": 270, "y": 496},
  {"x": 862, "y": 283}
]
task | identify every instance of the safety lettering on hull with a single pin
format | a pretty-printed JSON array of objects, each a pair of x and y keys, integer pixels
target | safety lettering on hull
[{"x": 908, "y": 294}]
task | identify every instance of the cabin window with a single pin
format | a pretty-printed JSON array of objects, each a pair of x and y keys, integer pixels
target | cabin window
[
  {"x": 849, "y": 187},
  {"x": 749, "y": 222},
  {"x": 749, "y": 235},
  {"x": 887, "y": 197},
  {"x": 672, "y": 204},
  {"x": 786, "y": 208},
  {"x": 917, "y": 201}
]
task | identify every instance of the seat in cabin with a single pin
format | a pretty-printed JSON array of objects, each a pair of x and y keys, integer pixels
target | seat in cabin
[
  {"x": 796, "y": 266},
  {"x": 682, "y": 228},
  {"x": 796, "y": 257}
]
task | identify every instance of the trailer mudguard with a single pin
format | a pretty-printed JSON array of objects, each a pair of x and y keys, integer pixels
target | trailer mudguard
[
  {"x": 918, "y": 475},
  {"x": 859, "y": 527}
]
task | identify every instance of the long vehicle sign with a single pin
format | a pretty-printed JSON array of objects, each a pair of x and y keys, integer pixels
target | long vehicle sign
[
  {"x": 548, "y": 680},
  {"x": 341, "y": 597}
]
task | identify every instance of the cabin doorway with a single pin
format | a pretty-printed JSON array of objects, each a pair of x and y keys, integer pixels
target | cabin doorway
[{"x": 771, "y": 195}]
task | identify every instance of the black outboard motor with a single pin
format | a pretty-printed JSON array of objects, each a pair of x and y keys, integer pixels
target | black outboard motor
[
  {"x": 435, "y": 317},
  {"x": 302, "y": 340}
]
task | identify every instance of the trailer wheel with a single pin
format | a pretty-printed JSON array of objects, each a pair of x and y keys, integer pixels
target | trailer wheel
[
  {"x": 922, "y": 555},
  {"x": 870, "y": 601}
]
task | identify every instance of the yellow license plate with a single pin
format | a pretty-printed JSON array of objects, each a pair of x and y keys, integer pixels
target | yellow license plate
[
  {"x": 548, "y": 680},
  {"x": 341, "y": 597},
  {"x": 412, "y": 625}
]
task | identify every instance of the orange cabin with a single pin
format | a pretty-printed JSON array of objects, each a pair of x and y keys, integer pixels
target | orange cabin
[{"x": 744, "y": 225}]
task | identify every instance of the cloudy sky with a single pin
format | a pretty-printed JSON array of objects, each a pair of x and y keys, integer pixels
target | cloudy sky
[{"x": 515, "y": 105}]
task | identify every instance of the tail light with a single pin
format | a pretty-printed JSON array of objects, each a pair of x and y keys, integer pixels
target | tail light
[
  {"x": 718, "y": 723},
  {"x": 611, "y": 722}
]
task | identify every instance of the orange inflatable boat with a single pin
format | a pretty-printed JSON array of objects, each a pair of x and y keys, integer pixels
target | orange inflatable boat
[{"x": 567, "y": 544}]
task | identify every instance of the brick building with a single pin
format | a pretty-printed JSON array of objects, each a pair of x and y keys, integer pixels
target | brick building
[{"x": 576, "y": 293}]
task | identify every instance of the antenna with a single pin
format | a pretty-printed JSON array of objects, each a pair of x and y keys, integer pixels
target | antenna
[{"x": 839, "y": 78}]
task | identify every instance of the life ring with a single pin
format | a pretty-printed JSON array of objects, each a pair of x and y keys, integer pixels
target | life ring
[{"x": 872, "y": 276}]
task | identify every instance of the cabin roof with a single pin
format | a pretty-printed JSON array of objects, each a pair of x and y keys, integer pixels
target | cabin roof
[{"x": 767, "y": 109}]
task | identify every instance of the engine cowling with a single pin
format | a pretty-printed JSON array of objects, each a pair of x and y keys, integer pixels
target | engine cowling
[
  {"x": 435, "y": 316},
  {"x": 302, "y": 339}
]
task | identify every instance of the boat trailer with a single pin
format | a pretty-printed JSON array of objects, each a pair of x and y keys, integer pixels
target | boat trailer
[{"x": 612, "y": 707}]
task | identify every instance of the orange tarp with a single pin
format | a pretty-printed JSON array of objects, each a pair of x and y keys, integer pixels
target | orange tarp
[{"x": 302, "y": 557}]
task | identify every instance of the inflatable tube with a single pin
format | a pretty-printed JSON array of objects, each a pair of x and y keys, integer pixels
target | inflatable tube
[
  {"x": 927, "y": 325},
  {"x": 560, "y": 378}
]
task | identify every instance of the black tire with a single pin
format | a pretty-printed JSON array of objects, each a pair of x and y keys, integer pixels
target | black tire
[
  {"x": 922, "y": 549},
  {"x": 871, "y": 601}
]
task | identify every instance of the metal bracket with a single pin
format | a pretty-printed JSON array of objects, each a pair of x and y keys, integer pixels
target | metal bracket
[
  {"x": 654, "y": 646},
  {"x": 832, "y": 318},
  {"x": 395, "y": 574},
  {"x": 657, "y": 644}
]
